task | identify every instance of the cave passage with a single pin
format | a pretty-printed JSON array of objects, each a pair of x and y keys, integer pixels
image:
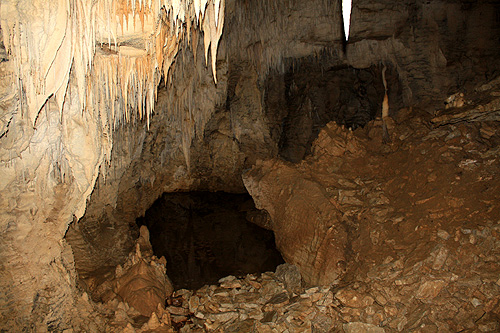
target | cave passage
[
  {"x": 312, "y": 95},
  {"x": 205, "y": 236}
]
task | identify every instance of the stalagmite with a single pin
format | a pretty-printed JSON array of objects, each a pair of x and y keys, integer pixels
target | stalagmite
[{"x": 385, "y": 109}]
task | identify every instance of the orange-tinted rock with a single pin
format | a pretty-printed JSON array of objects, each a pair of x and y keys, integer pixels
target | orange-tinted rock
[
  {"x": 143, "y": 288},
  {"x": 308, "y": 229},
  {"x": 430, "y": 289},
  {"x": 353, "y": 299}
]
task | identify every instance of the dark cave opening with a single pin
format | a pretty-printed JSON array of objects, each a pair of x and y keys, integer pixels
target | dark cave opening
[
  {"x": 207, "y": 235},
  {"x": 313, "y": 94}
]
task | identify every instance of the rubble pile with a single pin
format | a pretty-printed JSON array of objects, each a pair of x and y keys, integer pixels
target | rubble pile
[
  {"x": 133, "y": 294},
  {"x": 389, "y": 300},
  {"x": 254, "y": 304},
  {"x": 407, "y": 234}
]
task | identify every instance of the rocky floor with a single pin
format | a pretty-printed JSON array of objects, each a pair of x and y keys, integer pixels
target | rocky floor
[
  {"x": 420, "y": 248},
  {"x": 266, "y": 304}
]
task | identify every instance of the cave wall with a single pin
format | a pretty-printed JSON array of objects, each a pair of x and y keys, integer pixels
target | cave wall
[
  {"x": 201, "y": 136},
  {"x": 72, "y": 72},
  {"x": 264, "y": 45},
  {"x": 145, "y": 163},
  {"x": 43, "y": 185}
]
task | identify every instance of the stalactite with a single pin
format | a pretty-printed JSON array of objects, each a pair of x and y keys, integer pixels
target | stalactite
[
  {"x": 119, "y": 81},
  {"x": 346, "y": 17}
]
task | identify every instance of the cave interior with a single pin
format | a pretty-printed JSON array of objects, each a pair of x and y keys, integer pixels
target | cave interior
[{"x": 250, "y": 166}]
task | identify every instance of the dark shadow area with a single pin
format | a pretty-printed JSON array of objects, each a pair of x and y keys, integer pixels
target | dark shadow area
[
  {"x": 311, "y": 94},
  {"x": 205, "y": 236}
]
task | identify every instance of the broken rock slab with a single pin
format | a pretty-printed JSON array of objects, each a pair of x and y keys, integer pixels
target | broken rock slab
[
  {"x": 290, "y": 276},
  {"x": 359, "y": 327},
  {"x": 306, "y": 224}
]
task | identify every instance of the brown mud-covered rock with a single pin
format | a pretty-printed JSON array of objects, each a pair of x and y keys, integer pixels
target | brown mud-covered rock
[
  {"x": 142, "y": 281},
  {"x": 419, "y": 225},
  {"x": 134, "y": 294},
  {"x": 308, "y": 228},
  {"x": 141, "y": 288},
  {"x": 290, "y": 276}
]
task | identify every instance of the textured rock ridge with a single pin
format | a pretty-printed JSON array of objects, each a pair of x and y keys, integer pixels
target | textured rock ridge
[{"x": 304, "y": 221}]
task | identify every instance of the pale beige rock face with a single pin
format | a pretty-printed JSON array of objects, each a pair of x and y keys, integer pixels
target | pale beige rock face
[
  {"x": 62, "y": 97},
  {"x": 43, "y": 187}
]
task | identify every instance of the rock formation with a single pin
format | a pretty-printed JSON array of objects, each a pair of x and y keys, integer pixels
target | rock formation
[
  {"x": 75, "y": 71},
  {"x": 107, "y": 104}
]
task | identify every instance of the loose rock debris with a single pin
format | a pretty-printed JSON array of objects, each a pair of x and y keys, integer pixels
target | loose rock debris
[{"x": 422, "y": 241}]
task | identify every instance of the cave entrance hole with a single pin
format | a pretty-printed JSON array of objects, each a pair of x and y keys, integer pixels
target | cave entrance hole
[{"x": 206, "y": 236}]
